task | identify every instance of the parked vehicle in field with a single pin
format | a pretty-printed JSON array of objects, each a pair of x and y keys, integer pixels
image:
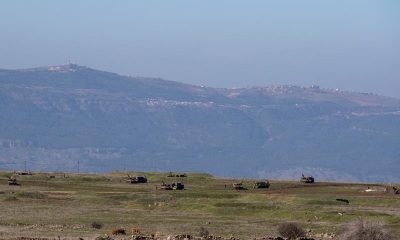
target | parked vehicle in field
[
  {"x": 178, "y": 186},
  {"x": 392, "y": 189},
  {"x": 172, "y": 186},
  {"x": 12, "y": 181},
  {"x": 307, "y": 179},
  {"x": 261, "y": 184},
  {"x": 238, "y": 186},
  {"x": 136, "y": 179},
  {"x": 171, "y": 174}
]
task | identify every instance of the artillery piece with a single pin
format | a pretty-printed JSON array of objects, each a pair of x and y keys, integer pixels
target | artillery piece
[{"x": 307, "y": 179}]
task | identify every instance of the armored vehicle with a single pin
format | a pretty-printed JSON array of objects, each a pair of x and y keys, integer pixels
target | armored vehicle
[
  {"x": 24, "y": 173},
  {"x": 306, "y": 179},
  {"x": 392, "y": 189},
  {"x": 172, "y": 186},
  {"x": 262, "y": 184},
  {"x": 171, "y": 174},
  {"x": 238, "y": 186},
  {"x": 12, "y": 181},
  {"x": 136, "y": 179},
  {"x": 178, "y": 186},
  {"x": 165, "y": 186}
]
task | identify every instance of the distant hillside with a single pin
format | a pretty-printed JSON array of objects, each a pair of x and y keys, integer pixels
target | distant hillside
[{"x": 53, "y": 117}]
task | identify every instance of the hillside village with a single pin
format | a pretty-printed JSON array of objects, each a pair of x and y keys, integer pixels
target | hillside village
[{"x": 67, "y": 114}]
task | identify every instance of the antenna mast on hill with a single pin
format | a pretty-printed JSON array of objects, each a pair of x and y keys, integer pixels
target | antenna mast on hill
[{"x": 69, "y": 62}]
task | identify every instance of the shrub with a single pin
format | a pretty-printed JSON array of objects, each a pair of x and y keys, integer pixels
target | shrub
[
  {"x": 291, "y": 230},
  {"x": 10, "y": 198},
  {"x": 97, "y": 225},
  {"x": 360, "y": 230},
  {"x": 204, "y": 232},
  {"x": 33, "y": 195},
  {"x": 118, "y": 231},
  {"x": 103, "y": 238}
]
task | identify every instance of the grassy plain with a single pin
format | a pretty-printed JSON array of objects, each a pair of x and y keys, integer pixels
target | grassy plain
[{"x": 67, "y": 206}]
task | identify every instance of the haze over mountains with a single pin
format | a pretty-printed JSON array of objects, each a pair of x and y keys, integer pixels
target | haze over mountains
[{"x": 53, "y": 117}]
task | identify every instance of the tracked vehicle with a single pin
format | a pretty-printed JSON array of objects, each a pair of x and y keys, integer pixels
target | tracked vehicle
[
  {"x": 172, "y": 186},
  {"x": 171, "y": 174},
  {"x": 307, "y": 179},
  {"x": 165, "y": 186},
  {"x": 392, "y": 190},
  {"x": 136, "y": 179},
  {"x": 178, "y": 186},
  {"x": 261, "y": 184},
  {"x": 238, "y": 186},
  {"x": 12, "y": 181},
  {"x": 24, "y": 173}
]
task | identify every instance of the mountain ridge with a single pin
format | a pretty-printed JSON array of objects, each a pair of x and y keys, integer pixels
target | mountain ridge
[
  {"x": 54, "y": 115},
  {"x": 71, "y": 68}
]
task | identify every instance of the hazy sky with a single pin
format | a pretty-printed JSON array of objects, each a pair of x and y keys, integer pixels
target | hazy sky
[{"x": 352, "y": 45}]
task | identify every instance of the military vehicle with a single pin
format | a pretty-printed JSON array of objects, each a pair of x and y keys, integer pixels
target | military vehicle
[
  {"x": 172, "y": 186},
  {"x": 24, "y": 173},
  {"x": 238, "y": 186},
  {"x": 392, "y": 189},
  {"x": 178, "y": 186},
  {"x": 136, "y": 179},
  {"x": 261, "y": 184},
  {"x": 171, "y": 174},
  {"x": 12, "y": 181},
  {"x": 165, "y": 186},
  {"x": 306, "y": 179}
]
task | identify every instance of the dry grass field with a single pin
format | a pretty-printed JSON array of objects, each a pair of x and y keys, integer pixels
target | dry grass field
[{"x": 66, "y": 206}]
